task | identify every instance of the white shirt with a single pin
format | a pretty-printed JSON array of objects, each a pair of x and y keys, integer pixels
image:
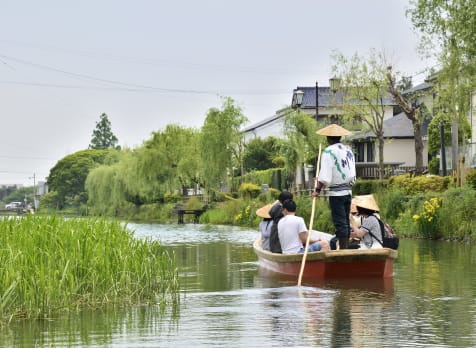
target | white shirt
[
  {"x": 289, "y": 228},
  {"x": 337, "y": 171}
]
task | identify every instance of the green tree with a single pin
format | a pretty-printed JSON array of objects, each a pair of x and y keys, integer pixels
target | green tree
[
  {"x": 168, "y": 161},
  {"x": 443, "y": 119},
  {"x": 69, "y": 174},
  {"x": 449, "y": 26},
  {"x": 259, "y": 153},
  {"x": 414, "y": 111},
  {"x": 221, "y": 143},
  {"x": 365, "y": 91},
  {"x": 302, "y": 142},
  {"x": 103, "y": 137}
]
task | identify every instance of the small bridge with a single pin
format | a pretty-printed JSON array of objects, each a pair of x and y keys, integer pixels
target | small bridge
[{"x": 195, "y": 212}]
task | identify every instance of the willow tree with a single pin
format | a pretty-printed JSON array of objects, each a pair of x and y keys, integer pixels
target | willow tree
[
  {"x": 302, "y": 142},
  {"x": 221, "y": 143},
  {"x": 113, "y": 188},
  {"x": 365, "y": 93},
  {"x": 168, "y": 161}
]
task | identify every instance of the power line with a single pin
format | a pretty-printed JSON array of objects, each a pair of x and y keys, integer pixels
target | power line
[
  {"x": 114, "y": 82},
  {"x": 27, "y": 157},
  {"x": 140, "y": 90}
]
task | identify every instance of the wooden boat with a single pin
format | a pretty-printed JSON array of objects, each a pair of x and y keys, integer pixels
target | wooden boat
[{"x": 349, "y": 263}]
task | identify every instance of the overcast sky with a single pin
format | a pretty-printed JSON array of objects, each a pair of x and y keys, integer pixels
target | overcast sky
[{"x": 147, "y": 64}]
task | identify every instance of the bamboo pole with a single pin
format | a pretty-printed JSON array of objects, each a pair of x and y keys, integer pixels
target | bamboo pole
[{"x": 309, "y": 232}]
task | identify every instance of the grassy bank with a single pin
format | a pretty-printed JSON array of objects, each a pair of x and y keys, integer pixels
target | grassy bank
[{"x": 51, "y": 264}]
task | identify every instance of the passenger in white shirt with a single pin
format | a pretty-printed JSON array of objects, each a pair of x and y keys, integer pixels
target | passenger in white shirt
[{"x": 292, "y": 232}]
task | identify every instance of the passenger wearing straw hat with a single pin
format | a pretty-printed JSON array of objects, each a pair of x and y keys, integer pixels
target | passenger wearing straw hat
[
  {"x": 370, "y": 228},
  {"x": 265, "y": 225},
  {"x": 337, "y": 174}
]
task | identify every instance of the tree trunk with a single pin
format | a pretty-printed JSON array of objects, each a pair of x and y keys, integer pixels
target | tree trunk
[
  {"x": 381, "y": 167},
  {"x": 454, "y": 144},
  {"x": 417, "y": 131}
]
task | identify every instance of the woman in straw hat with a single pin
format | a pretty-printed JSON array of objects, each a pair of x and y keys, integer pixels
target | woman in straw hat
[
  {"x": 265, "y": 225},
  {"x": 337, "y": 174},
  {"x": 370, "y": 228}
]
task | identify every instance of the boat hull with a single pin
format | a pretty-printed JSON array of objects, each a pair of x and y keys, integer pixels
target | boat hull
[{"x": 350, "y": 263}]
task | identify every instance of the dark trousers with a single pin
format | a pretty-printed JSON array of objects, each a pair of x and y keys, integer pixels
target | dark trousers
[{"x": 340, "y": 210}]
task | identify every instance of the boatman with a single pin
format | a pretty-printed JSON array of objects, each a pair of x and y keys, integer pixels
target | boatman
[{"x": 337, "y": 174}]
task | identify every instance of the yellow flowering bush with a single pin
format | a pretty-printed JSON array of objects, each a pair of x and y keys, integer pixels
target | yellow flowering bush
[
  {"x": 427, "y": 219},
  {"x": 247, "y": 215}
]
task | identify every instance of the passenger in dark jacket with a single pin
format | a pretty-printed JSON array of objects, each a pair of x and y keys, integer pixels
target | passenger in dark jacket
[{"x": 276, "y": 213}]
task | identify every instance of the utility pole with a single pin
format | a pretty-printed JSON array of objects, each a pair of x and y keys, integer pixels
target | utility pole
[
  {"x": 34, "y": 190},
  {"x": 317, "y": 102}
]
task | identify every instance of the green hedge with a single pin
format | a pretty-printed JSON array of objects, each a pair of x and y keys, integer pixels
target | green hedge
[{"x": 274, "y": 177}]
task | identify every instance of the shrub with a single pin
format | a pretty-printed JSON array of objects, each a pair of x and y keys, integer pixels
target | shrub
[
  {"x": 222, "y": 214},
  {"x": 173, "y": 197},
  {"x": 193, "y": 203},
  {"x": 249, "y": 190},
  {"x": 405, "y": 226},
  {"x": 322, "y": 214},
  {"x": 434, "y": 166},
  {"x": 365, "y": 186},
  {"x": 471, "y": 178},
  {"x": 419, "y": 184},
  {"x": 391, "y": 202},
  {"x": 270, "y": 196},
  {"x": 457, "y": 213}
]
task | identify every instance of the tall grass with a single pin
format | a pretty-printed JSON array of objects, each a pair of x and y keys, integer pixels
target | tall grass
[{"x": 50, "y": 264}]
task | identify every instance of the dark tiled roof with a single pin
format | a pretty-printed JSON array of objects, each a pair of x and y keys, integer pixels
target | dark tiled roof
[
  {"x": 399, "y": 126},
  {"x": 326, "y": 97},
  {"x": 418, "y": 88}
]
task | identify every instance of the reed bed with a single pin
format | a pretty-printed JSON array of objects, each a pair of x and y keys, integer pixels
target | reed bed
[{"x": 49, "y": 264}]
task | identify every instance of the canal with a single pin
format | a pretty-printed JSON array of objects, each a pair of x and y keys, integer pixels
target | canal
[{"x": 227, "y": 300}]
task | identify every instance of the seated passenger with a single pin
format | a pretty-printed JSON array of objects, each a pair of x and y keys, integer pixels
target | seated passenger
[
  {"x": 276, "y": 213},
  {"x": 370, "y": 228},
  {"x": 292, "y": 232},
  {"x": 265, "y": 225}
]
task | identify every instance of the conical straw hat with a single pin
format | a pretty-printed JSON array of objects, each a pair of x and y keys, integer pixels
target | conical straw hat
[
  {"x": 367, "y": 202},
  {"x": 353, "y": 207},
  {"x": 333, "y": 130},
  {"x": 263, "y": 212}
]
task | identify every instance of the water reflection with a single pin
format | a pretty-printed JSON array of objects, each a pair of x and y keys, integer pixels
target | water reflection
[
  {"x": 379, "y": 285},
  {"x": 90, "y": 328}
]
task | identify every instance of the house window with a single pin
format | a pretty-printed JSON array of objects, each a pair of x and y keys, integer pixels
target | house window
[
  {"x": 359, "y": 152},
  {"x": 370, "y": 152}
]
